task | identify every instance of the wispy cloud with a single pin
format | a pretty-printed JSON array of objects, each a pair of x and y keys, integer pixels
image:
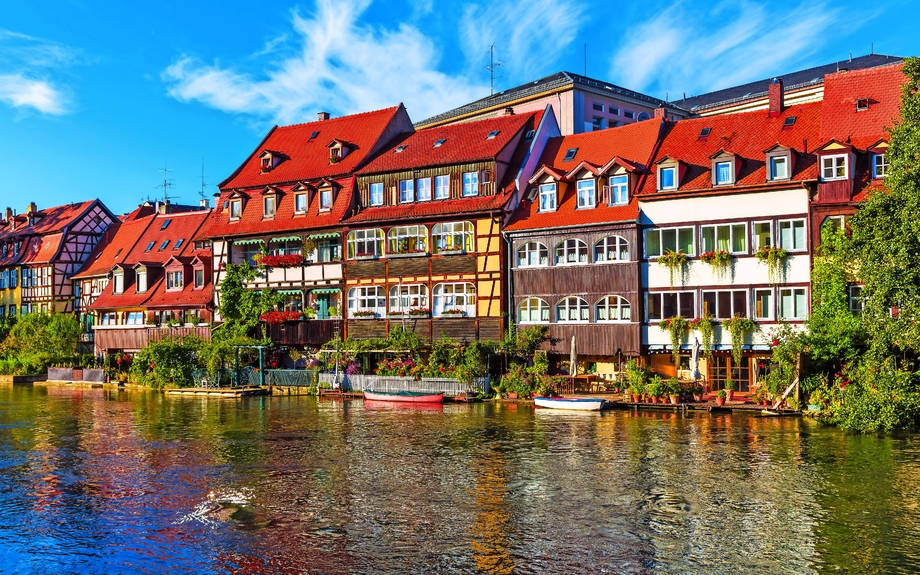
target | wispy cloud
[
  {"x": 685, "y": 49},
  {"x": 26, "y": 68},
  {"x": 340, "y": 65},
  {"x": 530, "y": 34}
]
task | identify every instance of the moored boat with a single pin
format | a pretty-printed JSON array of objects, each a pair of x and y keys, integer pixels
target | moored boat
[
  {"x": 572, "y": 403},
  {"x": 404, "y": 396}
]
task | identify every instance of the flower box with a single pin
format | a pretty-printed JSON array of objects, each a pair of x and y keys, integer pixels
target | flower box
[
  {"x": 365, "y": 256},
  {"x": 281, "y": 316},
  {"x": 364, "y": 314},
  {"x": 452, "y": 252},
  {"x": 285, "y": 261},
  {"x": 407, "y": 254},
  {"x": 453, "y": 313}
]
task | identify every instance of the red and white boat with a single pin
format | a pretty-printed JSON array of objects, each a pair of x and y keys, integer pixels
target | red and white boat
[{"x": 404, "y": 396}]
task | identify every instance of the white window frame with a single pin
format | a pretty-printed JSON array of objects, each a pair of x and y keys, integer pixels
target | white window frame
[
  {"x": 375, "y": 194},
  {"x": 325, "y": 200},
  {"x": 397, "y": 234},
  {"x": 677, "y": 232},
  {"x": 404, "y": 297},
  {"x": 423, "y": 189},
  {"x": 547, "y": 198},
  {"x": 721, "y": 314},
  {"x": 175, "y": 280},
  {"x": 680, "y": 311},
  {"x": 533, "y": 305},
  {"x": 767, "y": 314},
  {"x": 134, "y": 318},
  {"x": 832, "y": 164},
  {"x": 236, "y": 209},
  {"x": 878, "y": 161},
  {"x": 573, "y": 305},
  {"x": 674, "y": 183},
  {"x": 587, "y": 193},
  {"x": 772, "y": 165},
  {"x": 444, "y": 237},
  {"x": 270, "y": 206},
  {"x": 838, "y": 221},
  {"x": 792, "y": 223},
  {"x": 454, "y": 295},
  {"x": 470, "y": 184},
  {"x": 372, "y": 298},
  {"x": 118, "y": 282},
  {"x": 804, "y": 312},
  {"x": 442, "y": 187},
  {"x": 140, "y": 281},
  {"x": 615, "y": 304},
  {"x": 199, "y": 272},
  {"x": 533, "y": 255},
  {"x": 300, "y": 203},
  {"x": 406, "y": 191},
  {"x": 717, "y": 179},
  {"x": 732, "y": 232},
  {"x": 372, "y": 237},
  {"x": 571, "y": 252},
  {"x": 755, "y": 238},
  {"x": 619, "y": 190},
  {"x": 616, "y": 245}
]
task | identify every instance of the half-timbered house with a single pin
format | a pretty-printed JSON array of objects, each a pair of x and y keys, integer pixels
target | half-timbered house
[
  {"x": 574, "y": 245},
  {"x": 424, "y": 248},
  {"x": 284, "y": 207},
  {"x": 729, "y": 188}
]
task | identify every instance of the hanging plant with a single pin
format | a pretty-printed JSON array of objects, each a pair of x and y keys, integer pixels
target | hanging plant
[
  {"x": 738, "y": 327},
  {"x": 720, "y": 260},
  {"x": 307, "y": 248},
  {"x": 706, "y": 326},
  {"x": 775, "y": 259},
  {"x": 675, "y": 326},
  {"x": 675, "y": 262}
]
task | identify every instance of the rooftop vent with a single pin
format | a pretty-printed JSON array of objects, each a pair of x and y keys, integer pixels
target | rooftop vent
[{"x": 314, "y": 134}]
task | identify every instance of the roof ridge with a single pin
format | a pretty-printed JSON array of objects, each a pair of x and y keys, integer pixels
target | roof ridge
[{"x": 340, "y": 118}]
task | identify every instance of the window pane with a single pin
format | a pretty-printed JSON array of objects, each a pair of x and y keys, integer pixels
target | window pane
[
  {"x": 686, "y": 304},
  {"x": 709, "y": 239},
  {"x": 723, "y": 238},
  {"x": 685, "y": 240},
  {"x": 654, "y": 306},
  {"x": 801, "y": 303},
  {"x": 668, "y": 240},
  {"x": 652, "y": 243},
  {"x": 785, "y": 235},
  {"x": 762, "y": 236},
  {"x": 739, "y": 303},
  {"x": 724, "y": 299},
  {"x": 739, "y": 238},
  {"x": 785, "y": 304},
  {"x": 709, "y": 303},
  {"x": 799, "y": 234},
  {"x": 763, "y": 304},
  {"x": 669, "y": 304}
]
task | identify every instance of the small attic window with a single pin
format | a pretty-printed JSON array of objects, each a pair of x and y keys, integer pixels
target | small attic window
[
  {"x": 165, "y": 224},
  {"x": 862, "y": 104},
  {"x": 570, "y": 154},
  {"x": 150, "y": 246},
  {"x": 399, "y": 149},
  {"x": 789, "y": 122},
  {"x": 314, "y": 134},
  {"x": 266, "y": 163},
  {"x": 705, "y": 132},
  {"x": 163, "y": 245},
  {"x": 438, "y": 143},
  {"x": 492, "y": 134},
  {"x": 530, "y": 134}
]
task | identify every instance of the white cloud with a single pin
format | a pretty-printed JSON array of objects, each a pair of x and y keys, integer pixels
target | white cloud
[
  {"x": 26, "y": 63},
  {"x": 529, "y": 35},
  {"x": 340, "y": 65},
  {"x": 687, "y": 50}
]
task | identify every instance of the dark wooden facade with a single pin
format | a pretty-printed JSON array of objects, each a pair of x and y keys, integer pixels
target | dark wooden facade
[
  {"x": 462, "y": 329},
  {"x": 311, "y": 333},
  {"x": 133, "y": 338}
]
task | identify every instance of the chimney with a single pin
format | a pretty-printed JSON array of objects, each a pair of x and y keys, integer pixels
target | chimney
[
  {"x": 323, "y": 116},
  {"x": 509, "y": 111},
  {"x": 776, "y": 97},
  {"x": 164, "y": 207},
  {"x": 32, "y": 208},
  {"x": 204, "y": 203},
  {"x": 9, "y": 213},
  {"x": 660, "y": 113}
]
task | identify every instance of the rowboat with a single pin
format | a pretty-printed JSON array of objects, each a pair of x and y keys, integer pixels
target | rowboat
[
  {"x": 573, "y": 403},
  {"x": 404, "y": 396}
]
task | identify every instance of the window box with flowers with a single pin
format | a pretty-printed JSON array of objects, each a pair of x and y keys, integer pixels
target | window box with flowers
[
  {"x": 453, "y": 312},
  {"x": 775, "y": 258},
  {"x": 676, "y": 262},
  {"x": 720, "y": 260},
  {"x": 365, "y": 256},
  {"x": 408, "y": 253},
  {"x": 738, "y": 327},
  {"x": 706, "y": 325},
  {"x": 412, "y": 312},
  {"x": 281, "y": 316},
  {"x": 284, "y": 261},
  {"x": 364, "y": 314}
]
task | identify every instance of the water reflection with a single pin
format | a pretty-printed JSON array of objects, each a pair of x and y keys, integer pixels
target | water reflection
[{"x": 99, "y": 481}]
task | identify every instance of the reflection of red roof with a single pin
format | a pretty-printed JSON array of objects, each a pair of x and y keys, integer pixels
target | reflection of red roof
[
  {"x": 634, "y": 144},
  {"x": 840, "y": 119},
  {"x": 747, "y": 135},
  {"x": 462, "y": 143},
  {"x": 252, "y": 220},
  {"x": 309, "y": 157}
]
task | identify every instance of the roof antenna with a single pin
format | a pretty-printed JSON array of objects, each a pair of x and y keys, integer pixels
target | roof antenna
[
  {"x": 491, "y": 68},
  {"x": 851, "y": 56},
  {"x": 872, "y": 50},
  {"x": 167, "y": 183},
  {"x": 586, "y": 59},
  {"x": 203, "y": 184}
]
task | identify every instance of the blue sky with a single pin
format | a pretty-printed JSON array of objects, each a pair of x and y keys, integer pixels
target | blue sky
[{"x": 95, "y": 97}]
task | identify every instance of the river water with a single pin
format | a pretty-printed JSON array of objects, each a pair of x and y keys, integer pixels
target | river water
[{"x": 103, "y": 481}]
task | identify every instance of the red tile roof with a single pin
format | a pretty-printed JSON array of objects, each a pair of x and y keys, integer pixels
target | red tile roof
[
  {"x": 747, "y": 135},
  {"x": 462, "y": 143},
  {"x": 184, "y": 226},
  {"x": 46, "y": 222},
  {"x": 633, "y": 144},
  {"x": 308, "y": 158},
  {"x": 114, "y": 247},
  {"x": 189, "y": 296},
  {"x": 840, "y": 119}
]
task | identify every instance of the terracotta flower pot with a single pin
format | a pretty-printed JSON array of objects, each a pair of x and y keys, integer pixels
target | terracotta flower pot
[
  {"x": 697, "y": 397},
  {"x": 729, "y": 393},
  {"x": 512, "y": 395},
  {"x": 674, "y": 399},
  {"x": 720, "y": 401}
]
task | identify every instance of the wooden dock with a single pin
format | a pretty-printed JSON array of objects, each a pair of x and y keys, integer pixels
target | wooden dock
[{"x": 217, "y": 392}]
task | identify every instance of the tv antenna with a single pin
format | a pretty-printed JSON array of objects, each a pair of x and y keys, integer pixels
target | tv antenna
[
  {"x": 491, "y": 68},
  {"x": 167, "y": 183},
  {"x": 204, "y": 185}
]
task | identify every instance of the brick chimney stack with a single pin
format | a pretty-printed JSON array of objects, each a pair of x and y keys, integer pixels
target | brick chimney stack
[
  {"x": 9, "y": 214},
  {"x": 509, "y": 111},
  {"x": 776, "y": 97},
  {"x": 323, "y": 116},
  {"x": 32, "y": 208},
  {"x": 660, "y": 113}
]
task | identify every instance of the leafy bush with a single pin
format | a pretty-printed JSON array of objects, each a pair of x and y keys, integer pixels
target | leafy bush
[{"x": 166, "y": 363}]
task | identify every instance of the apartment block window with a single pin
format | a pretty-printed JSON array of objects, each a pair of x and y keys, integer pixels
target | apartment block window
[
  {"x": 667, "y": 178},
  {"x": 793, "y": 303},
  {"x": 598, "y": 123},
  {"x": 442, "y": 187},
  {"x": 548, "y": 197},
  {"x": 532, "y": 254},
  {"x": 724, "y": 173},
  {"x": 376, "y": 194},
  {"x": 370, "y": 298},
  {"x": 199, "y": 278},
  {"x": 300, "y": 203},
  {"x": 611, "y": 249},
  {"x": 470, "y": 184},
  {"x": 612, "y": 308},
  {"x": 423, "y": 189},
  {"x": 598, "y": 107},
  {"x": 879, "y": 166},
  {"x": 834, "y": 167},
  {"x": 763, "y": 304},
  {"x": 724, "y": 304},
  {"x": 660, "y": 305},
  {"x": 763, "y": 235},
  {"x": 614, "y": 110},
  {"x": 236, "y": 209},
  {"x": 629, "y": 114},
  {"x": 449, "y": 297},
  {"x": 660, "y": 241},
  {"x": 619, "y": 190},
  {"x": 856, "y": 300},
  {"x": 141, "y": 281},
  {"x": 270, "y": 206},
  {"x": 586, "y": 194},
  {"x": 174, "y": 280},
  {"x": 729, "y": 237},
  {"x": 325, "y": 200},
  {"x": 406, "y": 191},
  {"x": 779, "y": 168},
  {"x": 533, "y": 310},
  {"x": 792, "y": 235},
  {"x": 571, "y": 252}
]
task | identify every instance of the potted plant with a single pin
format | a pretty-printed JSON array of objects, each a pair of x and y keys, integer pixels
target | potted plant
[
  {"x": 309, "y": 313},
  {"x": 673, "y": 388},
  {"x": 720, "y": 260},
  {"x": 656, "y": 389},
  {"x": 307, "y": 249},
  {"x": 333, "y": 311},
  {"x": 729, "y": 389},
  {"x": 697, "y": 392},
  {"x": 676, "y": 263},
  {"x": 364, "y": 314},
  {"x": 720, "y": 397}
]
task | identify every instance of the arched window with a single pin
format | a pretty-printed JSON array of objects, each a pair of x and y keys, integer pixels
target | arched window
[
  {"x": 533, "y": 310},
  {"x": 612, "y": 308},
  {"x": 365, "y": 243},
  {"x": 407, "y": 297},
  {"x": 407, "y": 240},
  {"x": 532, "y": 254},
  {"x": 611, "y": 249},
  {"x": 368, "y": 301},
  {"x": 452, "y": 237},
  {"x": 642, "y": 117},
  {"x": 571, "y": 252},
  {"x": 571, "y": 309},
  {"x": 454, "y": 300}
]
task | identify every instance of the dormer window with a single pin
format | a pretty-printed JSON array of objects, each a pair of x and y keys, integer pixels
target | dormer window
[
  {"x": 269, "y": 204},
  {"x": 118, "y": 282},
  {"x": 140, "y": 281},
  {"x": 236, "y": 209},
  {"x": 619, "y": 190},
  {"x": 723, "y": 173},
  {"x": 199, "y": 278},
  {"x": 325, "y": 200},
  {"x": 266, "y": 163},
  {"x": 834, "y": 167},
  {"x": 724, "y": 165},
  {"x": 587, "y": 197},
  {"x": 269, "y": 160},
  {"x": 337, "y": 151},
  {"x": 862, "y": 104},
  {"x": 300, "y": 202},
  {"x": 667, "y": 178},
  {"x": 879, "y": 166},
  {"x": 174, "y": 280},
  {"x": 548, "y": 197}
]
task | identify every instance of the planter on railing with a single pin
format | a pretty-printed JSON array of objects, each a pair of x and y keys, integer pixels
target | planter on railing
[
  {"x": 285, "y": 261},
  {"x": 281, "y": 316}
]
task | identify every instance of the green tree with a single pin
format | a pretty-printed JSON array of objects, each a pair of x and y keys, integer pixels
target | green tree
[{"x": 239, "y": 307}]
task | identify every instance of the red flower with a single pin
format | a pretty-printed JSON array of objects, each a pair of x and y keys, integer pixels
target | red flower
[{"x": 775, "y": 342}]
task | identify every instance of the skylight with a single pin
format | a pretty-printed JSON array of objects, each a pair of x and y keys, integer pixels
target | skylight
[
  {"x": 439, "y": 142},
  {"x": 118, "y": 253},
  {"x": 150, "y": 246},
  {"x": 163, "y": 245},
  {"x": 178, "y": 243},
  {"x": 399, "y": 149},
  {"x": 790, "y": 120},
  {"x": 314, "y": 134},
  {"x": 492, "y": 134},
  {"x": 705, "y": 132},
  {"x": 165, "y": 224},
  {"x": 570, "y": 154}
]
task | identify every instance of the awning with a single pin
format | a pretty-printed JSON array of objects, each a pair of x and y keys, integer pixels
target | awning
[
  {"x": 289, "y": 292},
  {"x": 326, "y": 290},
  {"x": 323, "y": 236},
  {"x": 247, "y": 242},
  {"x": 289, "y": 239}
]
